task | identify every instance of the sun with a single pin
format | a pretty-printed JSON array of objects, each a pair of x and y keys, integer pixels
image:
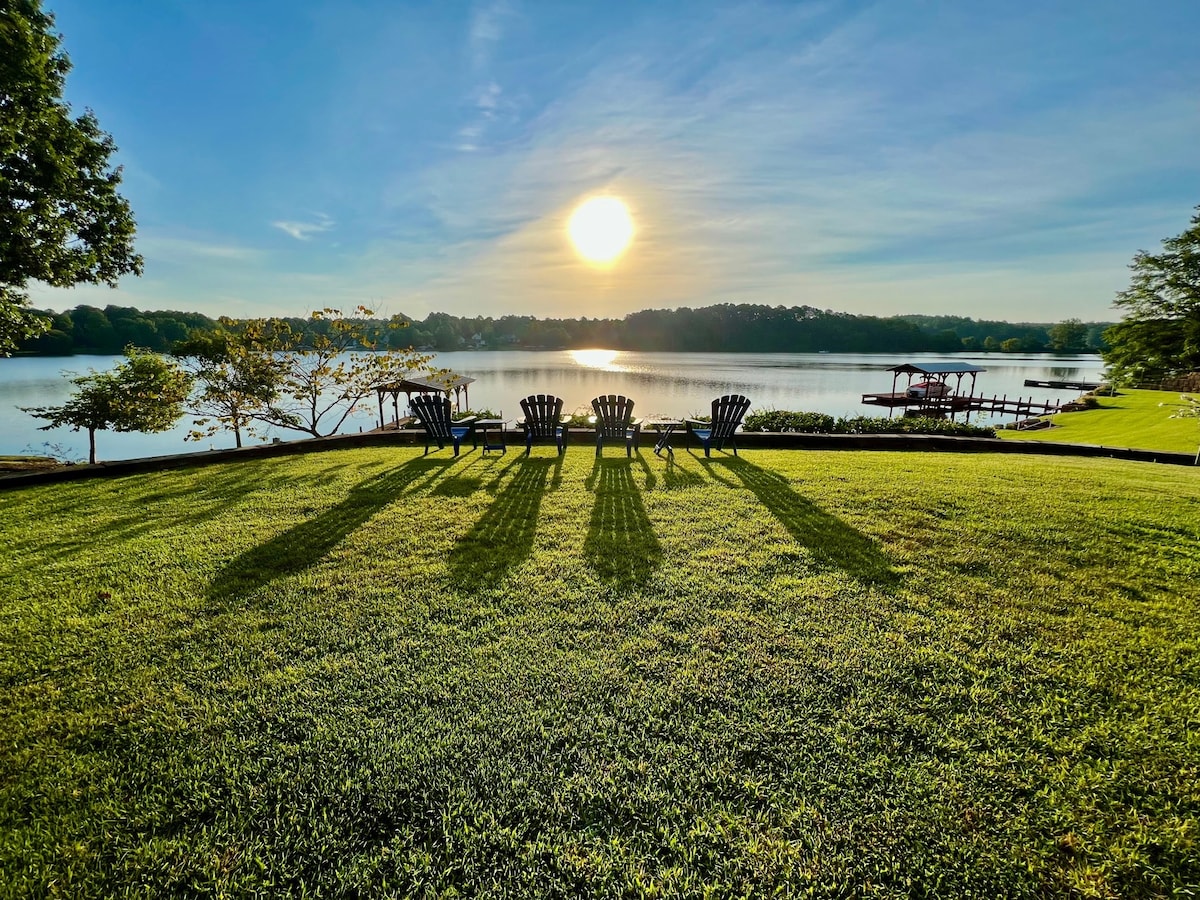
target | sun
[{"x": 601, "y": 229}]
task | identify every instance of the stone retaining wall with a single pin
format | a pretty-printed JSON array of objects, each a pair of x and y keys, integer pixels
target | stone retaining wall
[{"x": 681, "y": 442}]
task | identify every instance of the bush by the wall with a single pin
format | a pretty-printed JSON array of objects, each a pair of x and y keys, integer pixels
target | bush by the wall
[
  {"x": 819, "y": 423},
  {"x": 783, "y": 420}
]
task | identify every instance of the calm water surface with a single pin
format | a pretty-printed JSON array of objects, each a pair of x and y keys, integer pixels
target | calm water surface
[{"x": 671, "y": 384}]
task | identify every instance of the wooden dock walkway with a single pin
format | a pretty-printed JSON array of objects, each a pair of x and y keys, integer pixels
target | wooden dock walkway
[{"x": 1021, "y": 407}]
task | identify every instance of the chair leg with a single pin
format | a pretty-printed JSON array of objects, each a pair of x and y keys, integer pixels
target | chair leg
[
  {"x": 456, "y": 446},
  {"x": 599, "y": 444}
]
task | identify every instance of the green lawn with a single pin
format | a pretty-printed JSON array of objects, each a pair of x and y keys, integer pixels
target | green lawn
[
  {"x": 365, "y": 673},
  {"x": 1140, "y": 419}
]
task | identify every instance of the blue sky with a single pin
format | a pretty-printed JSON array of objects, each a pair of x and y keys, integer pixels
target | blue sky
[{"x": 995, "y": 160}]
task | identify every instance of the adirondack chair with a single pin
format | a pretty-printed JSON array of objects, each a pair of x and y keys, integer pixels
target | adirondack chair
[
  {"x": 614, "y": 421},
  {"x": 543, "y": 422},
  {"x": 433, "y": 411},
  {"x": 727, "y": 415}
]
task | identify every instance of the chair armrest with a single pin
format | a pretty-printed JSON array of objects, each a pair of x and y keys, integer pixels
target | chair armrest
[{"x": 469, "y": 420}]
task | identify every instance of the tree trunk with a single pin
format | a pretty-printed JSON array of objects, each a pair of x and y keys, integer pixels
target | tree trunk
[
  {"x": 92, "y": 446},
  {"x": 237, "y": 436}
]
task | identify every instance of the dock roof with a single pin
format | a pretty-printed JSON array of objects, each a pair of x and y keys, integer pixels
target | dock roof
[
  {"x": 425, "y": 384},
  {"x": 936, "y": 369}
]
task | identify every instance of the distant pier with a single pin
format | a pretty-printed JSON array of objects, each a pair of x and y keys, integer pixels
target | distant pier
[{"x": 1063, "y": 385}]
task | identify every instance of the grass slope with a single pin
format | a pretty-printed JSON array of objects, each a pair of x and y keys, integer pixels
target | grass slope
[
  {"x": 367, "y": 673},
  {"x": 1139, "y": 419}
]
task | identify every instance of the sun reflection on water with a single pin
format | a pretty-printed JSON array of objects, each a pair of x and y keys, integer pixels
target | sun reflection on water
[{"x": 595, "y": 359}]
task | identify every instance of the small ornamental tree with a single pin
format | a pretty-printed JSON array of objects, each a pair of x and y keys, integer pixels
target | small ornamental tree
[
  {"x": 144, "y": 393},
  {"x": 62, "y": 221},
  {"x": 235, "y": 383},
  {"x": 1159, "y": 335}
]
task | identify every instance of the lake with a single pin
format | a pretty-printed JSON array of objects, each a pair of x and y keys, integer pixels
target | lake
[{"x": 670, "y": 384}]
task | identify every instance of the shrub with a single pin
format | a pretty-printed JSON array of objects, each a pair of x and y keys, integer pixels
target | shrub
[
  {"x": 783, "y": 420},
  {"x": 477, "y": 413},
  {"x": 818, "y": 423}
]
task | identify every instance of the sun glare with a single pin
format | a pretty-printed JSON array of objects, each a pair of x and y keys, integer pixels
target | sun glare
[
  {"x": 601, "y": 229},
  {"x": 594, "y": 359}
]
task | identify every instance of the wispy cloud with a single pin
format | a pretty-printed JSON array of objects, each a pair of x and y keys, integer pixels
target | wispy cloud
[
  {"x": 303, "y": 231},
  {"x": 486, "y": 30},
  {"x": 485, "y": 102},
  {"x": 157, "y": 247}
]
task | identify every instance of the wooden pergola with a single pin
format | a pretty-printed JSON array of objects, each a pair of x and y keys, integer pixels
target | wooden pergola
[
  {"x": 937, "y": 372},
  {"x": 424, "y": 384}
]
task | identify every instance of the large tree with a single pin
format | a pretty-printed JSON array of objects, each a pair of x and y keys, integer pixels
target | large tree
[
  {"x": 62, "y": 221},
  {"x": 144, "y": 393},
  {"x": 1068, "y": 336},
  {"x": 1159, "y": 335}
]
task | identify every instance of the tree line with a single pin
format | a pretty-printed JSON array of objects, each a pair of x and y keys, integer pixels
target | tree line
[{"x": 724, "y": 327}]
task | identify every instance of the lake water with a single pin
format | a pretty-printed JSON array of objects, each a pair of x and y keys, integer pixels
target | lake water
[{"x": 670, "y": 384}]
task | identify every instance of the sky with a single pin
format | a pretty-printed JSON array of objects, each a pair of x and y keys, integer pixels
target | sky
[{"x": 991, "y": 160}]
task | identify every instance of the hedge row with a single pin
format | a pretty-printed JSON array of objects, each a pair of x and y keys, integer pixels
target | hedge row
[{"x": 819, "y": 423}]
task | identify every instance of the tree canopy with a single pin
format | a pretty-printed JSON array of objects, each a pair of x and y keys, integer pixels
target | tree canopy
[
  {"x": 144, "y": 393},
  {"x": 306, "y": 377},
  {"x": 724, "y": 327},
  {"x": 1159, "y": 335},
  {"x": 62, "y": 221}
]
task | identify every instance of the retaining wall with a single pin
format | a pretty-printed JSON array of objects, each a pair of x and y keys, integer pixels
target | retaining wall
[{"x": 681, "y": 442}]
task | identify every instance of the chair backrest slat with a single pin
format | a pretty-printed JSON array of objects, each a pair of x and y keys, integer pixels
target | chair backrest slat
[
  {"x": 613, "y": 415},
  {"x": 727, "y": 413},
  {"x": 542, "y": 415},
  {"x": 434, "y": 412}
]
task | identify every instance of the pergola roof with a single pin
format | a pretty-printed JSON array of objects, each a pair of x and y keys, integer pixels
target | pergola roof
[
  {"x": 936, "y": 369},
  {"x": 425, "y": 384}
]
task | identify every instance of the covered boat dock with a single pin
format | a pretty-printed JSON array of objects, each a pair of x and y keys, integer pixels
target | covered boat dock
[
  {"x": 934, "y": 395},
  {"x": 934, "y": 374}
]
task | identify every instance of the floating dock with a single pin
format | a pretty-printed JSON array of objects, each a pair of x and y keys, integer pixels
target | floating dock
[{"x": 1063, "y": 385}]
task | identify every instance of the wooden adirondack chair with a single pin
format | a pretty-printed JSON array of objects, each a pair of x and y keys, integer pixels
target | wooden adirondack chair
[
  {"x": 727, "y": 413},
  {"x": 614, "y": 421},
  {"x": 433, "y": 411},
  {"x": 543, "y": 422}
]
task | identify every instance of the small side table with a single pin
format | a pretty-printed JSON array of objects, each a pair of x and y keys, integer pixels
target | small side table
[
  {"x": 496, "y": 439},
  {"x": 663, "y": 426}
]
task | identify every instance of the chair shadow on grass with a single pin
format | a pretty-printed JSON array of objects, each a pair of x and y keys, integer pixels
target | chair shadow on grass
[
  {"x": 306, "y": 544},
  {"x": 674, "y": 476},
  {"x": 503, "y": 535},
  {"x": 620, "y": 545},
  {"x": 831, "y": 541}
]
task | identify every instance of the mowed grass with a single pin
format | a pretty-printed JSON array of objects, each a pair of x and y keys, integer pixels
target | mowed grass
[
  {"x": 368, "y": 673},
  {"x": 1138, "y": 419}
]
